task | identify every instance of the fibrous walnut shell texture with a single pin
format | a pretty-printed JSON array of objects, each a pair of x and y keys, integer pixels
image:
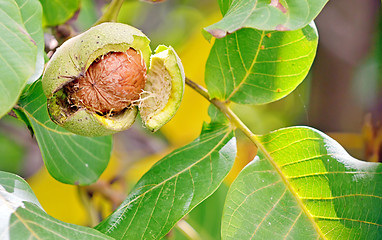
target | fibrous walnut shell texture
[{"x": 110, "y": 84}]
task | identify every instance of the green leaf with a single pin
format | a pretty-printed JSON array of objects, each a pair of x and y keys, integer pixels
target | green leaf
[
  {"x": 69, "y": 158},
  {"x": 22, "y": 217},
  {"x": 57, "y": 12},
  {"x": 216, "y": 115},
  {"x": 204, "y": 221},
  {"x": 257, "y": 67},
  {"x": 31, "y": 12},
  {"x": 174, "y": 186},
  {"x": 206, "y": 217},
  {"x": 224, "y": 5},
  {"x": 267, "y": 15},
  {"x": 18, "y": 53},
  {"x": 88, "y": 15},
  {"x": 304, "y": 185},
  {"x": 12, "y": 154}
]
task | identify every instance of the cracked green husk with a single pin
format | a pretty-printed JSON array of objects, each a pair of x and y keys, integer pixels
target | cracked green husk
[{"x": 157, "y": 104}]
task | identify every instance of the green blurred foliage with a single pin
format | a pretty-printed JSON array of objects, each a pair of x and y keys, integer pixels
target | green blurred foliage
[
  {"x": 165, "y": 23},
  {"x": 169, "y": 22},
  {"x": 87, "y": 15},
  {"x": 57, "y": 12},
  {"x": 205, "y": 219},
  {"x": 12, "y": 154}
]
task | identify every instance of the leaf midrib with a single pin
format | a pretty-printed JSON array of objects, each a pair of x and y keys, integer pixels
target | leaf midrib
[
  {"x": 248, "y": 72},
  {"x": 288, "y": 185},
  {"x": 19, "y": 217}
]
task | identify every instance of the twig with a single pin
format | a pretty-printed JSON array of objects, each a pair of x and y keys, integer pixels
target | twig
[
  {"x": 111, "y": 14},
  {"x": 187, "y": 230},
  {"x": 104, "y": 188},
  {"x": 235, "y": 120},
  {"x": 88, "y": 205}
]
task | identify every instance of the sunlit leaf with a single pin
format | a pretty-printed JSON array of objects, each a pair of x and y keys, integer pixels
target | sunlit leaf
[
  {"x": 315, "y": 190},
  {"x": 173, "y": 186},
  {"x": 18, "y": 53},
  {"x": 69, "y": 158},
  {"x": 265, "y": 15},
  {"x": 257, "y": 67},
  {"x": 21, "y": 216},
  {"x": 57, "y": 12}
]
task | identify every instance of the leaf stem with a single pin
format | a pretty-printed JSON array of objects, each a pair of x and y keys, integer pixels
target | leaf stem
[
  {"x": 106, "y": 190},
  {"x": 88, "y": 205},
  {"x": 235, "y": 120},
  {"x": 111, "y": 14},
  {"x": 223, "y": 107},
  {"x": 187, "y": 230}
]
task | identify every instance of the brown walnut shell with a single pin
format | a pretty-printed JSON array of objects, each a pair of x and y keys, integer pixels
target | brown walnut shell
[{"x": 110, "y": 84}]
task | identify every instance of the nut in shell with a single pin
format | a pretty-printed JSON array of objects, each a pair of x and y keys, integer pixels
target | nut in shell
[
  {"x": 110, "y": 84},
  {"x": 95, "y": 81}
]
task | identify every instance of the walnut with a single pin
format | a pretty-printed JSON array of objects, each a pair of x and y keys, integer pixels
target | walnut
[
  {"x": 111, "y": 83},
  {"x": 98, "y": 81}
]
